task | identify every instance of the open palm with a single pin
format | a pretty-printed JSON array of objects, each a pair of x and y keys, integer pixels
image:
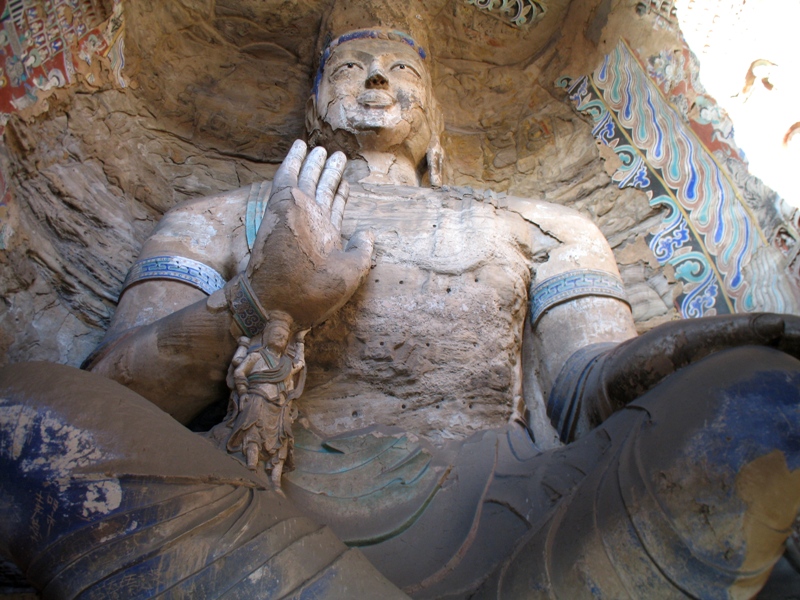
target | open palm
[{"x": 298, "y": 263}]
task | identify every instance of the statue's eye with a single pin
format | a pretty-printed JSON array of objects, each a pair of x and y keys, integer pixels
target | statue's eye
[
  {"x": 346, "y": 67},
  {"x": 405, "y": 67}
]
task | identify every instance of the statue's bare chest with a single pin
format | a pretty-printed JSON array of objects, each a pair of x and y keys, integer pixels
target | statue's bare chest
[{"x": 438, "y": 322}]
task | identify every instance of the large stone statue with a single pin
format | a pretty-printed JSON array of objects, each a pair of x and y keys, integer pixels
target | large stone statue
[{"x": 679, "y": 473}]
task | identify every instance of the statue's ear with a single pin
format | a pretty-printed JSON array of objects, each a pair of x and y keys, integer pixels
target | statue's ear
[
  {"x": 435, "y": 153},
  {"x": 435, "y": 156},
  {"x": 313, "y": 123}
]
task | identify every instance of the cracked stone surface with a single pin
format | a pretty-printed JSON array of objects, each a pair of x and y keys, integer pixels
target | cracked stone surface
[{"x": 218, "y": 92}]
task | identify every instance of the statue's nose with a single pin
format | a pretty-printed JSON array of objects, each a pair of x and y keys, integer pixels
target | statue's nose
[{"x": 376, "y": 79}]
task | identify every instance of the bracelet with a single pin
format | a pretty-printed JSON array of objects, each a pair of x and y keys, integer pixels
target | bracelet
[
  {"x": 176, "y": 268},
  {"x": 573, "y": 284},
  {"x": 245, "y": 307}
]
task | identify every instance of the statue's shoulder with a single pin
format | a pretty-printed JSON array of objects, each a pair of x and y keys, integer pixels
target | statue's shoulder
[
  {"x": 216, "y": 215},
  {"x": 563, "y": 222},
  {"x": 540, "y": 208},
  {"x": 222, "y": 202}
]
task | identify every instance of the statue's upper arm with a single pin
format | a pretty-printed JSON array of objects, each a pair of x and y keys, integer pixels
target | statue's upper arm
[
  {"x": 570, "y": 315},
  {"x": 208, "y": 230},
  {"x": 578, "y": 243}
]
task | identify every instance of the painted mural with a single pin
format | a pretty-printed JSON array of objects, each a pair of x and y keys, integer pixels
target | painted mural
[
  {"x": 50, "y": 44},
  {"x": 677, "y": 75},
  {"x": 709, "y": 234},
  {"x": 44, "y": 42},
  {"x": 5, "y": 199}
]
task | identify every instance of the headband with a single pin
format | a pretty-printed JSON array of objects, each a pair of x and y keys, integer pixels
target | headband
[{"x": 360, "y": 34}]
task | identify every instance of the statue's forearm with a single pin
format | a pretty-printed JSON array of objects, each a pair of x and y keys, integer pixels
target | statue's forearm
[
  {"x": 575, "y": 324},
  {"x": 178, "y": 362},
  {"x": 602, "y": 379},
  {"x": 577, "y": 300}
]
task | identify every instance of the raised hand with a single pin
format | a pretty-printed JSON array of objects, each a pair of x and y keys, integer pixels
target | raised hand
[{"x": 298, "y": 264}]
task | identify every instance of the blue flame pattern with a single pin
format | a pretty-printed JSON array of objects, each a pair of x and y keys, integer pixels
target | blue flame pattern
[{"x": 708, "y": 233}]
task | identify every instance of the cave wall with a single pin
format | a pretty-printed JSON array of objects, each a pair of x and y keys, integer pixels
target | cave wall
[{"x": 171, "y": 100}]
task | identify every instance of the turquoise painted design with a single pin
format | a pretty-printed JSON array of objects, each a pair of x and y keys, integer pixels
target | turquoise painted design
[
  {"x": 254, "y": 213},
  {"x": 573, "y": 284},
  {"x": 176, "y": 268},
  {"x": 709, "y": 234}
]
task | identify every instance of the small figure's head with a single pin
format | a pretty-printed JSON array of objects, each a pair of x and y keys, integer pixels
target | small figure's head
[
  {"x": 373, "y": 92},
  {"x": 277, "y": 333}
]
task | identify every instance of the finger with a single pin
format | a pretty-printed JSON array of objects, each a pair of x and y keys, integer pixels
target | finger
[
  {"x": 768, "y": 327},
  {"x": 312, "y": 167},
  {"x": 339, "y": 202},
  {"x": 286, "y": 175},
  {"x": 329, "y": 181},
  {"x": 362, "y": 240}
]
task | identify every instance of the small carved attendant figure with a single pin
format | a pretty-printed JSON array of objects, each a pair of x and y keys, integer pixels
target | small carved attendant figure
[{"x": 265, "y": 377}]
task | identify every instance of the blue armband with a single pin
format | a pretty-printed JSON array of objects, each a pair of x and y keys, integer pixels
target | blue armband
[
  {"x": 573, "y": 284},
  {"x": 175, "y": 268}
]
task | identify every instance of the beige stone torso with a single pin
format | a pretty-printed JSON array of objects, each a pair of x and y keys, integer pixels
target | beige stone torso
[{"x": 432, "y": 340}]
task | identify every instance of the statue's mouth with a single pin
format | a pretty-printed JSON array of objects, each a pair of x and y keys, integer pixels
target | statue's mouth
[{"x": 376, "y": 99}]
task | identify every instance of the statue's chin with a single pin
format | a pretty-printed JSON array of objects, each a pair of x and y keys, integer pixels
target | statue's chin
[
  {"x": 376, "y": 130},
  {"x": 356, "y": 128},
  {"x": 370, "y": 124},
  {"x": 373, "y": 119},
  {"x": 356, "y": 117}
]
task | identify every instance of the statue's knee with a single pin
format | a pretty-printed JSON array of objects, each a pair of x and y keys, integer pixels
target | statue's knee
[
  {"x": 698, "y": 491},
  {"x": 723, "y": 437},
  {"x": 742, "y": 403},
  {"x": 720, "y": 450}
]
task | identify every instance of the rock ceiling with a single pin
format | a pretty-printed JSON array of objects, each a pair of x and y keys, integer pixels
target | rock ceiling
[{"x": 236, "y": 73}]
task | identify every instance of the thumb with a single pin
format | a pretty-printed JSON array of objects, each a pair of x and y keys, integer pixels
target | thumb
[
  {"x": 790, "y": 343},
  {"x": 357, "y": 255},
  {"x": 362, "y": 240}
]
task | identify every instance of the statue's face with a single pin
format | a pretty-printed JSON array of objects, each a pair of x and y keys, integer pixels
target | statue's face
[
  {"x": 276, "y": 337},
  {"x": 373, "y": 85}
]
